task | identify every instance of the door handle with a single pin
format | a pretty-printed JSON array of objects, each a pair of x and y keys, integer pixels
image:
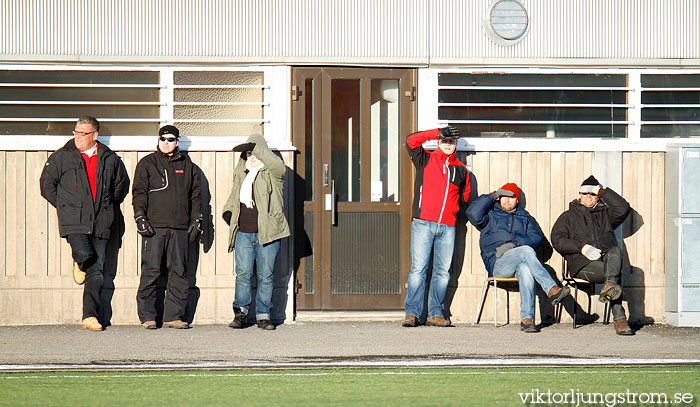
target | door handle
[{"x": 334, "y": 204}]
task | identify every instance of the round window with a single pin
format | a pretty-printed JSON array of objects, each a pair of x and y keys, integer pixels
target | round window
[{"x": 507, "y": 21}]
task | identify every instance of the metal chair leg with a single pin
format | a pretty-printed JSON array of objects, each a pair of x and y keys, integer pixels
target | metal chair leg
[
  {"x": 495, "y": 302},
  {"x": 507, "y": 307},
  {"x": 480, "y": 309},
  {"x": 575, "y": 302}
]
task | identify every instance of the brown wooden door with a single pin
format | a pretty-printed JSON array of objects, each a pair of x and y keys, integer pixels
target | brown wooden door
[{"x": 350, "y": 126}]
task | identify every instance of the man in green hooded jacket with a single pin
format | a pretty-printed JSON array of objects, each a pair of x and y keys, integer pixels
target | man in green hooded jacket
[{"x": 255, "y": 215}]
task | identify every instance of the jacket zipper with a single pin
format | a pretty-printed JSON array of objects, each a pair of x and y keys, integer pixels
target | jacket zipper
[{"x": 420, "y": 197}]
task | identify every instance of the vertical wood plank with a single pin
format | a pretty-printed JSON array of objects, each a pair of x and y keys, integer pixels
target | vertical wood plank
[
  {"x": 658, "y": 218},
  {"x": 37, "y": 223},
  {"x": 528, "y": 182},
  {"x": 629, "y": 186},
  {"x": 498, "y": 172},
  {"x": 558, "y": 198},
  {"x": 515, "y": 168},
  {"x": 482, "y": 172},
  {"x": 3, "y": 213},
  {"x": 15, "y": 214},
  {"x": 225, "y": 163},
  {"x": 130, "y": 254},
  {"x": 643, "y": 206}
]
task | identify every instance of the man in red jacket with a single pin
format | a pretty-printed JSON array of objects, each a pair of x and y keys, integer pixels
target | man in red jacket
[{"x": 441, "y": 188}]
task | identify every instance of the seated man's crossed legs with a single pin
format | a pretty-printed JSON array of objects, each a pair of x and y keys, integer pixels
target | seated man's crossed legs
[{"x": 522, "y": 263}]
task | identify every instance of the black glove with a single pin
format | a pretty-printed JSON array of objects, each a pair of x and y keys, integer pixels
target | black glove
[
  {"x": 449, "y": 133},
  {"x": 502, "y": 249},
  {"x": 227, "y": 217},
  {"x": 143, "y": 227},
  {"x": 195, "y": 229}
]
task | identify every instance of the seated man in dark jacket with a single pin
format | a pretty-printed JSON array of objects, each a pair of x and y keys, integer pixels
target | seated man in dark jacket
[
  {"x": 584, "y": 236},
  {"x": 509, "y": 237}
]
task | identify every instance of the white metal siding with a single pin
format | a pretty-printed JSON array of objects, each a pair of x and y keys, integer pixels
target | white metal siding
[
  {"x": 412, "y": 32},
  {"x": 196, "y": 31},
  {"x": 590, "y": 29}
]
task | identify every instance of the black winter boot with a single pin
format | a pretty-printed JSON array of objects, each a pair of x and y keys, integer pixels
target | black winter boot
[{"x": 239, "y": 319}]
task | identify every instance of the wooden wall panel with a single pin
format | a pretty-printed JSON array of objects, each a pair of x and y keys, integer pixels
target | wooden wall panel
[
  {"x": 38, "y": 289},
  {"x": 3, "y": 211},
  {"x": 15, "y": 214},
  {"x": 37, "y": 222}
]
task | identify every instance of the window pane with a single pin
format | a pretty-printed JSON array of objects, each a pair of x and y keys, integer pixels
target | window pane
[
  {"x": 218, "y": 78},
  {"x": 672, "y": 98},
  {"x": 553, "y": 80},
  {"x": 80, "y": 94},
  {"x": 490, "y": 130},
  {"x": 219, "y": 95},
  {"x": 192, "y": 129},
  {"x": 38, "y": 102},
  {"x": 192, "y": 104},
  {"x": 541, "y": 105},
  {"x": 345, "y": 136},
  {"x": 190, "y": 112},
  {"x": 308, "y": 140},
  {"x": 671, "y": 130},
  {"x": 102, "y": 112},
  {"x": 386, "y": 145},
  {"x": 62, "y": 77}
]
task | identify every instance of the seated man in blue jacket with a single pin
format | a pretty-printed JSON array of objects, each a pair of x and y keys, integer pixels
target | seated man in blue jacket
[{"x": 509, "y": 237}]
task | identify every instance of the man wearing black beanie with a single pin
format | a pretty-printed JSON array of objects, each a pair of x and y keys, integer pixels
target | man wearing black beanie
[{"x": 585, "y": 236}]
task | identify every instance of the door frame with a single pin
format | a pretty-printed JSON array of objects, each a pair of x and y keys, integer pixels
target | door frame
[{"x": 321, "y": 297}]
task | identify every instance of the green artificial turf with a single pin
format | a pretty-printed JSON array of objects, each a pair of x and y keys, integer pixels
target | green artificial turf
[{"x": 381, "y": 387}]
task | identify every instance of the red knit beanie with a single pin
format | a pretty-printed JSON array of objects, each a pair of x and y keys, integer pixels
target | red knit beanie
[{"x": 512, "y": 187}]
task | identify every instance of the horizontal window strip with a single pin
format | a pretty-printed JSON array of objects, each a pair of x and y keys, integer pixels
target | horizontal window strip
[
  {"x": 81, "y": 85},
  {"x": 548, "y": 88},
  {"x": 602, "y": 105}
]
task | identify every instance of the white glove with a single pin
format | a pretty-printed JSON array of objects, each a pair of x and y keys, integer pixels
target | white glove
[{"x": 591, "y": 253}]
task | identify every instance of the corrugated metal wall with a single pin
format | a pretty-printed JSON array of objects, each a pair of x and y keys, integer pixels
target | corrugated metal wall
[
  {"x": 599, "y": 29},
  {"x": 363, "y": 32}
]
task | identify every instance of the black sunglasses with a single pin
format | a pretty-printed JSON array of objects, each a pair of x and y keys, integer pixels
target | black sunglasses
[
  {"x": 588, "y": 193},
  {"x": 170, "y": 139}
]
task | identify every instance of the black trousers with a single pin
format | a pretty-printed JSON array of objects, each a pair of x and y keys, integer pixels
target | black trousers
[
  {"x": 607, "y": 268},
  {"x": 167, "y": 246},
  {"x": 89, "y": 252}
]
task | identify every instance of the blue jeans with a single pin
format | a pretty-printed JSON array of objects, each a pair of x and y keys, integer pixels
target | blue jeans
[
  {"x": 426, "y": 235},
  {"x": 249, "y": 251},
  {"x": 522, "y": 263}
]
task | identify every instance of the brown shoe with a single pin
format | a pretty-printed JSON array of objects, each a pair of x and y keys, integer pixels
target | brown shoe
[
  {"x": 556, "y": 294},
  {"x": 610, "y": 292},
  {"x": 91, "y": 324},
  {"x": 438, "y": 321},
  {"x": 78, "y": 274},
  {"x": 621, "y": 327},
  {"x": 176, "y": 324},
  {"x": 410, "y": 321},
  {"x": 150, "y": 325}
]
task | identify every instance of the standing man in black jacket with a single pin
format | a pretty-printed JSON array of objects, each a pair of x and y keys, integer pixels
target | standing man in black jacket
[
  {"x": 167, "y": 210},
  {"x": 585, "y": 236},
  {"x": 85, "y": 181}
]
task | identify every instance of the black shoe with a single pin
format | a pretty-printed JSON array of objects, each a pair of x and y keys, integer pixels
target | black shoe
[
  {"x": 266, "y": 325},
  {"x": 527, "y": 325},
  {"x": 239, "y": 319}
]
